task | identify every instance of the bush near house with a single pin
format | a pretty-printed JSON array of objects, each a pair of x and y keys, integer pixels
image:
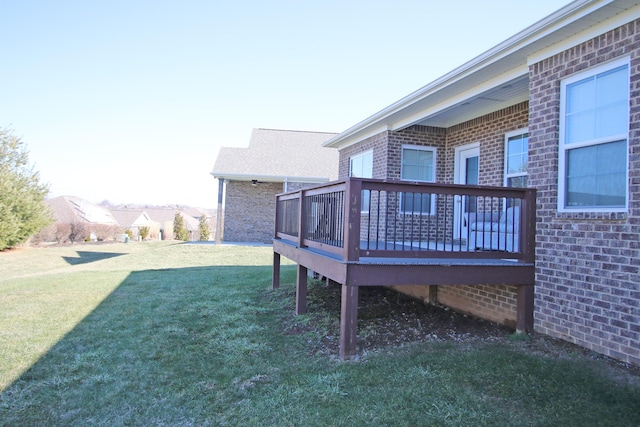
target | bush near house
[
  {"x": 144, "y": 232},
  {"x": 47, "y": 234},
  {"x": 63, "y": 231},
  {"x": 79, "y": 231},
  {"x": 104, "y": 232}
]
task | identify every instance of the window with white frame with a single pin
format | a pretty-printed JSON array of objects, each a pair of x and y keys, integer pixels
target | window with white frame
[
  {"x": 594, "y": 129},
  {"x": 418, "y": 164},
  {"x": 516, "y": 158},
  {"x": 361, "y": 166}
]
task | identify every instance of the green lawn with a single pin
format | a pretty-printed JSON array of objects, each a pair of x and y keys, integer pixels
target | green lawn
[{"x": 176, "y": 334}]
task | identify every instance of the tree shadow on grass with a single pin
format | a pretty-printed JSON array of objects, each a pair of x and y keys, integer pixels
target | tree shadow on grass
[
  {"x": 85, "y": 257},
  {"x": 157, "y": 350}
]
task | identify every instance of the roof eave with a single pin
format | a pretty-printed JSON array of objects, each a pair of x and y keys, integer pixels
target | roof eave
[{"x": 268, "y": 178}]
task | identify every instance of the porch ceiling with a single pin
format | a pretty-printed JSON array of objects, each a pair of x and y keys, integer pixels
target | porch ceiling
[{"x": 496, "y": 98}]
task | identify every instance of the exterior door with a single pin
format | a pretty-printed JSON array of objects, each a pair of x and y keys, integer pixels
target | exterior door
[{"x": 466, "y": 170}]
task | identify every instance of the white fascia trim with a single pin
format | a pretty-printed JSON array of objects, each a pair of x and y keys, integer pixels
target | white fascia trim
[
  {"x": 595, "y": 31},
  {"x": 514, "y": 43}
]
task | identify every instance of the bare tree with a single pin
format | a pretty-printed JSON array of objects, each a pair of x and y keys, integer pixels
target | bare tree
[{"x": 79, "y": 232}]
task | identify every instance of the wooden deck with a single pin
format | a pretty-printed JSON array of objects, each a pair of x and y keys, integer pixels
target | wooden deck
[{"x": 345, "y": 253}]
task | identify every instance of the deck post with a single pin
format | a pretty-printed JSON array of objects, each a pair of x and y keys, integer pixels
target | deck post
[
  {"x": 348, "y": 321},
  {"x": 275, "y": 273},
  {"x": 528, "y": 227},
  {"x": 353, "y": 209},
  {"x": 524, "y": 309},
  {"x": 301, "y": 220},
  {"x": 301, "y": 290}
]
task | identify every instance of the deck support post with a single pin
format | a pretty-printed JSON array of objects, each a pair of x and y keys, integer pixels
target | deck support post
[
  {"x": 348, "y": 321},
  {"x": 301, "y": 290},
  {"x": 524, "y": 309},
  {"x": 275, "y": 273}
]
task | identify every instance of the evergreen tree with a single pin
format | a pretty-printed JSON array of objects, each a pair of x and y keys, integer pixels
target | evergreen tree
[
  {"x": 179, "y": 231},
  {"x": 22, "y": 209},
  {"x": 203, "y": 226}
]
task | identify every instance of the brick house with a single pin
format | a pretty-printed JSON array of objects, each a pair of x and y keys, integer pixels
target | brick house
[
  {"x": 555, "y": 108},
  {"x": 275, "y": 161}
]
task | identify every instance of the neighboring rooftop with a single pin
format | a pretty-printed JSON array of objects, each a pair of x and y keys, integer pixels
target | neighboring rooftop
[
  {"x": 70, "y": 209},
  {"x": 280, "y": 155}
]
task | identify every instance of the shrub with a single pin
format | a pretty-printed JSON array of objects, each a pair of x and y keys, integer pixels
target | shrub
[
  {"x": 47, "y": 234},
  {"x": 79, "y": 232},
  {"x": 63, "y": 231},
  {"x": 154, "y": 231},
  {"x": 104, "y": 231},
  {"x": 144, "y": 232}
]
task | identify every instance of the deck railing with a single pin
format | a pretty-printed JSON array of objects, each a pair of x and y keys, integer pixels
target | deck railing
[{"x": 357, "y": 218}]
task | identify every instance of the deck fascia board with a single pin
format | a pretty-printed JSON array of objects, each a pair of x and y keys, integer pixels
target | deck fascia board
[{"x": 410, "y": 271}]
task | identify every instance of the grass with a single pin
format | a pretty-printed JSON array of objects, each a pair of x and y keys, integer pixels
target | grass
[{"x": 174, "y": 334}]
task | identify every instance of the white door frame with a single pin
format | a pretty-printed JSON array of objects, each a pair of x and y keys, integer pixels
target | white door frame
[{"x": 460, "y": 221}]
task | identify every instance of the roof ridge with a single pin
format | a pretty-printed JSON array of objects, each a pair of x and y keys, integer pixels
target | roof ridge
[{"x": 299, "y": 131}]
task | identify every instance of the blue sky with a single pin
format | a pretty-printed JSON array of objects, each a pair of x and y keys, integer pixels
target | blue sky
[{"x": 130, "y": 101}]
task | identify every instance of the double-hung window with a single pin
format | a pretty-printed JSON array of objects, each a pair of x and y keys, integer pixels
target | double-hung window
[
  {"x": 418, "y": 164},
  {"x": 361, "y": 166},
  {"x": 516, "y": 161},
  {"x": 594, "y": 129}
]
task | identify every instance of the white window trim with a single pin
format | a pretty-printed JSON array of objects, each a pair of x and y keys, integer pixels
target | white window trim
[
  {"x": 563, "y": 148},
  {"x": 432, "y": 203},
  {"x": 506, "y": 155}
]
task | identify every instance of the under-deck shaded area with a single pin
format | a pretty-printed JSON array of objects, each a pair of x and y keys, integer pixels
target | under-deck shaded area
[{"x": 363, "y": 232}]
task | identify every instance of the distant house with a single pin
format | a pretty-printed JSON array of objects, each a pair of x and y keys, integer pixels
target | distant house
[
  {"x": 133, "y": 220},
  {"x": 71, "y": 210},
  {"x": 164, "y": 218},
  {"x": 209, "y": 216},
  {"x": 275, "y": 161}
]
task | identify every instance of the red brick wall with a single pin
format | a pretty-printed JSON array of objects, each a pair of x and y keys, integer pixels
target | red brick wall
[
  {"x": 494, "y": 303},
  {"x": 587, "y": 264},
  {"x": 378, "y": 144}
]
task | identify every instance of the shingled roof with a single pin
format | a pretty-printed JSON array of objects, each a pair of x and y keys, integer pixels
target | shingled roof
[
  {"x": 69, "y": 209},
  {"x": 280, "y": 155}
]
